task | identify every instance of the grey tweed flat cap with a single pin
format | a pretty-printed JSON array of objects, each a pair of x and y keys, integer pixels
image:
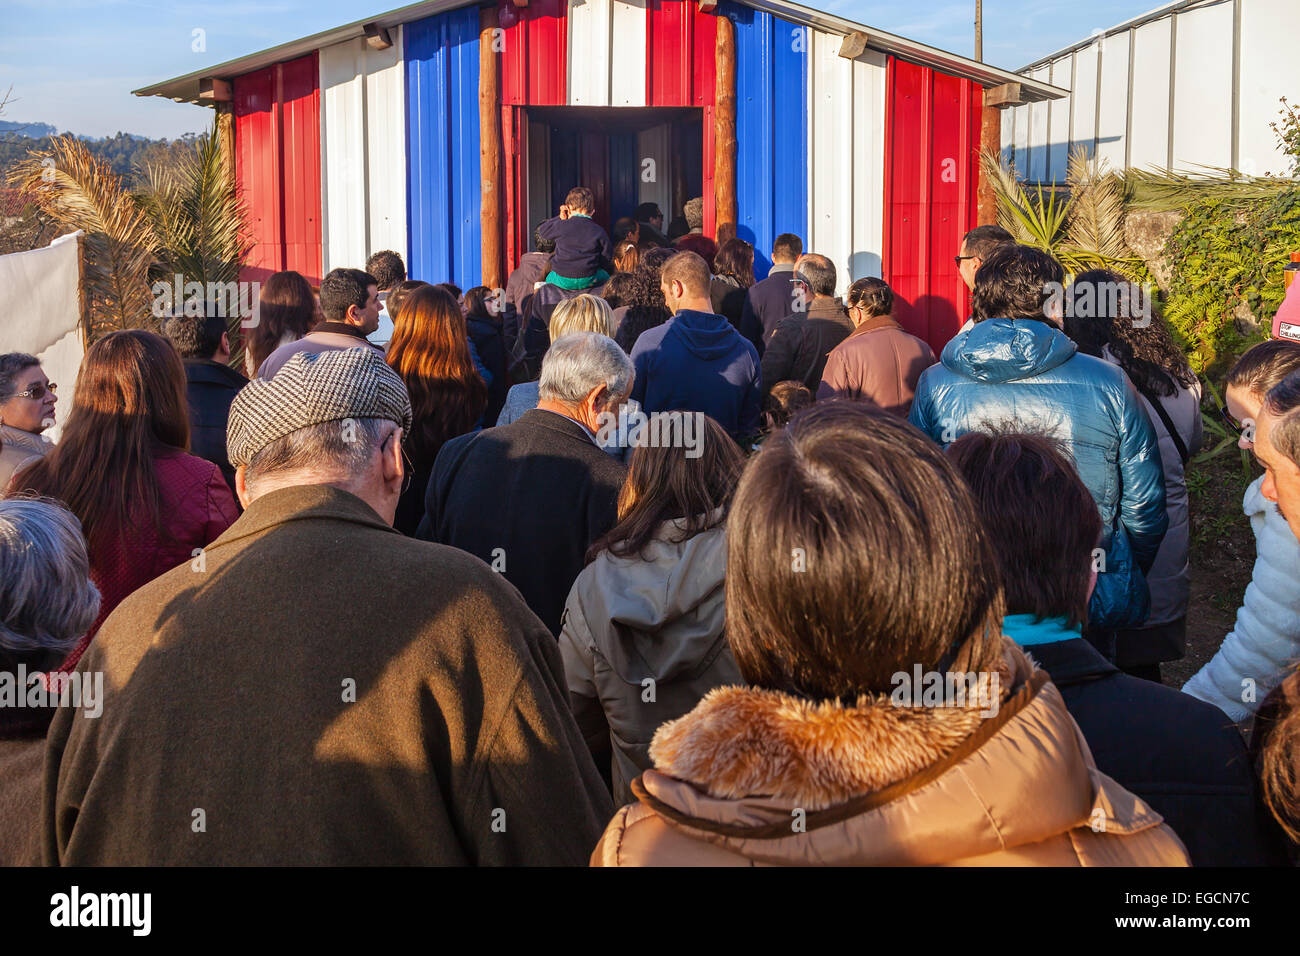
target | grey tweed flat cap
[{"x": 310, "y": 389}]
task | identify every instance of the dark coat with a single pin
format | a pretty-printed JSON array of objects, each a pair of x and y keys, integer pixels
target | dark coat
[
  {"x": 528, "y": 498},
  {"x": 799, "y": 345},
  {"x": 486, "y": 336},
  {"x": 728, "y": 300},
  {"x": 532, "y": 269},
  {"x": 768, "y": 301},
  {"x": 1182, "y": 756},
  {"x": 582, "y": 246},
  {"x": 210, "y": 388},
  {"x": 398, "y": 705}
]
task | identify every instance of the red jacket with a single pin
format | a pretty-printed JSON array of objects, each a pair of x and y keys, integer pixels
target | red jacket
[{"x": 197, "y": 507}]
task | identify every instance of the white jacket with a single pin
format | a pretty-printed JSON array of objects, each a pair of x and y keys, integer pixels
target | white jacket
[{"x": 1264, "y": 643}]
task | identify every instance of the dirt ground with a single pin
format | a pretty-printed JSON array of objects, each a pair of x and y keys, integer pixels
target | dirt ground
[{"x": 1222, "y": 556}]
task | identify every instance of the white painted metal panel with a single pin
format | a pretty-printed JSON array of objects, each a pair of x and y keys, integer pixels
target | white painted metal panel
[
  {"x": 1083, "y": 127},
  {"x": 1269, "y": 69},
  {"x": 363, "y": 152},
  {"x": 1203, "y": 88},
  {"x": 1149, "y": 127},
  {"x": 1113, "y": 106},
  {"x": 1021, "y": 121},
  {"x": 1008, "y": 137},
  {"x": 846, "y": 158},
  {"x": 1058, "y": 125},
  {"x": 606, "y": 56},
  {"x": 656, "y": 143},
  {"x": 1036, "y": 146}
]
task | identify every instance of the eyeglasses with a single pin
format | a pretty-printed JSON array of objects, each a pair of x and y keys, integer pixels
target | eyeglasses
[
  {"x": 37, "y": 392},
  {"x": 957, "y": 260},
  {"x": 1233, "y": 425}
]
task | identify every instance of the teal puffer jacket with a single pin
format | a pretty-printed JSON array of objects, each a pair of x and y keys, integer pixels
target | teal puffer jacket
[{"x": 1028, "y": 374}]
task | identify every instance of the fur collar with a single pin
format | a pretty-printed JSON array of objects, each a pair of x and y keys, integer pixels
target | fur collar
[{"x": 746, "y": 741}]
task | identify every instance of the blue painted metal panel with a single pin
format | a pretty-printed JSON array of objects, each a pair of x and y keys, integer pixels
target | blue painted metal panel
[
  {"x": 442, "y": 146},
  {"x": 624, "y": 175},
  {"x": 771, "y": 128}
]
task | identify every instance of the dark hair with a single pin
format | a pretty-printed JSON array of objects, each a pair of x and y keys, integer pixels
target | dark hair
[
  {"x": 665, "y": 484},
  {"x": 982, "y": 240},
  {"x": 11, "y": 363},
  {"x": 855, "y": 551},
  {"x": 1040, "y": 518},
  {"x": 398, "y": 294},
  {"x": 1015, "y": 282},
  {"x": 450, "y": 288},
  {"x": 195, "y": 336},
  {"x": 343, "y": 288},
  {"x": 1105, "y": 311},
  {"x": 1279, "y": 757},
  {"x": 130, "y": 403},
  {"x": 623, "y": 228},
  {"x": 818, "y": 273},
  {"x": 476, "y": 304},
  {"x": 647, "y": 211},
  {"x": 873, "y": 296},
  {"x": 787, "y": 246},
  {"x": 1264, "y": 365},
  {"x": 645, "y": 300},
  {"x": 618, "y": 289},
  {"x": 677, "y": 228},
  {"x": 387, "y": 268},
  {"x": 735, "y": 259},
  {"x": 1283, "y": 401},
  {"x": 580, "y": 198},
  {"x": 286, "y": 306},
  {"x": 543, "y": 245},
  {"x": 784, "y": 401}
]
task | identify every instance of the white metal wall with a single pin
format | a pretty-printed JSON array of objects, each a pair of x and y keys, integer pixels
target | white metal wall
[
  {"x": 656, "y": 143},
  {"x": 607, "y": 46},
  {"x": 846, "y": 145},
  {"x": 1132, "y": 122},
  {"x": 363, "y": 151}
]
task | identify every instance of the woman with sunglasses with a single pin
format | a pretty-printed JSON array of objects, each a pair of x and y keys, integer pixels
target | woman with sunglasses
[{"x": 27, "y": 402}]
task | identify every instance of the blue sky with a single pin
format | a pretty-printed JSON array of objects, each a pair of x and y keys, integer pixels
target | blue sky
[{"x": 73, "y": 63}]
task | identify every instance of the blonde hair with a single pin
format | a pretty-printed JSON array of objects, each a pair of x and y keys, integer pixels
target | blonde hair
[{"x": 582, "y": 313}]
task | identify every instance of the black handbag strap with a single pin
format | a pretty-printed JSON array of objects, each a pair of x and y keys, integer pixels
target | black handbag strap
[{"x": 1169, "y": 426}]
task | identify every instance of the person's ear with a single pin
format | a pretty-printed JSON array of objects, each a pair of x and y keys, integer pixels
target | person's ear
[
  {"x": 391, "y": 455},
  {"x": 241, "y": 488},
  {"x": 225, "y": 342}
]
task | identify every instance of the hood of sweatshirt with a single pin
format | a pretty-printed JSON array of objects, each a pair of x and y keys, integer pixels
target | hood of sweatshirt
[
  {"x": 1006, "y": 350},
  {"x": 705, "y": 335}
]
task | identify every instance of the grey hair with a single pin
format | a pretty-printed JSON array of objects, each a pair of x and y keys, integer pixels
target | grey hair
[
  {"x": 11, "y": 363},
  {"x": 580, "y": 361},
  {"x": 1283, "y": 400},
  {"x": 47, "y": 600},
  {"x": 818, "y": 272},
  {"x": 342, "y": 447}
]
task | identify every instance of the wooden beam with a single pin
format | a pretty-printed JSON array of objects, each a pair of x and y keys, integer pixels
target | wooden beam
[
  {"x": 1008, "y": 94},
  {"x": 853, "y": 45},
  {"x": 492, "y": 190},
  {"x": 986, "y": 199},
  {"x": 520, "y": 3},
  {"x": 726, "y": 214},
  {"x": 377, "y": 37},
  {"x": 216, "y": 91},
  {"x": 708, "y": 6}
]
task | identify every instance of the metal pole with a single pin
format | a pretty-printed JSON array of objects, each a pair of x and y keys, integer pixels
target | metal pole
[{"x": 979, "y": 31}]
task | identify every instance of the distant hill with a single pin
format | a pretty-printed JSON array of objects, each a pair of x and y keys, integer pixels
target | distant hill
[
  {"x": 30, "y": 130},
  {"x": 121, "y": 151}
]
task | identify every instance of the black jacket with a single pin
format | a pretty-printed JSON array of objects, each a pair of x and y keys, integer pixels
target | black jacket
[
  {"x": 1182, "y": 756},
  {"x": 486, "y": 336},
  {"x": 528, "y": 498},
  {"x": 532, "y": 268},
  {"x": 767, "y": 302},
  {"x": 800, "y": 344},
  {"x": 211, "y": 387},
  {"x": 582, "y": 247}
]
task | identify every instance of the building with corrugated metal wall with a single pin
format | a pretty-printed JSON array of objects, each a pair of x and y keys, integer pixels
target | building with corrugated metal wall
[
  {"x": 1189, "y": 85},
  {"x": 376, "y": 135}
]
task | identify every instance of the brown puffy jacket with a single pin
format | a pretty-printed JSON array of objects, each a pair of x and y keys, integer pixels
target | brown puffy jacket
[
  {"x": 879, "y": 363},
  {"x": 755, "y": 777}
]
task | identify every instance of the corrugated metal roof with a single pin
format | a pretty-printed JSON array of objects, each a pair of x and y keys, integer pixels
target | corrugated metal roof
[
  {"x": 1129, "y": 24},
  {"x": 185, "y": 89}
]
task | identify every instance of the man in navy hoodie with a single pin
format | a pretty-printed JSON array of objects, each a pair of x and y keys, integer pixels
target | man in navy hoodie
[{"x": 697, "y": 361}]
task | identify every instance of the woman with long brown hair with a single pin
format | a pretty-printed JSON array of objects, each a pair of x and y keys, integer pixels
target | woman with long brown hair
[
  {"x": 123, "y": 469},
  {"x": 733, "y": 274},
  {"x": 287, "y": 310},
  {"x": 430, "y": 351},
  {"x": 649, "y": 606}
]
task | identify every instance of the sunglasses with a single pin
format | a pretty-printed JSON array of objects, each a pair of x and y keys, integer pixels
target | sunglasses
[
  {"x": 957, "y": 260},
  {"x": 37, "y": 392},
  {"x": 1233, "y": 425}
]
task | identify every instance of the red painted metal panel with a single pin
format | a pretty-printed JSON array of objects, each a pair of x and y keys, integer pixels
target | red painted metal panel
[
  {"x": 300, "y": 137},
  {"x": 932, "y": 121},
  {"x": 710, "y": 154},
  {"x": 680, "y": 54},
  {"x": 535, "y": 53},
  {"x": 257, "y": 170}
]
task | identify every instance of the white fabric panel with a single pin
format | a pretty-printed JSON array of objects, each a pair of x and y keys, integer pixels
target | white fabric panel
[
  {"x": 40, "y": 314},
  {"x": 1150, "y": 125},
  {"x": 1036, "y": 170},
  {"x": 847, "y": 158},
  {"x": 656, "y": 143},
  {"x": 606, "y": 56},
  {"x": 1203, "y": 88},
  {"x": 1269, "y": 69},
  {"x": 1058, "y": 127},
  {"x": 363, "y": 152},
  {"x": 1083, "y": 129},
  {"x": 1111, "y": 132}
]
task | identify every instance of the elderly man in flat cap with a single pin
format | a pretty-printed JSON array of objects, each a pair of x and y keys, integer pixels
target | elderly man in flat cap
[{"x": 315, "y": 688}]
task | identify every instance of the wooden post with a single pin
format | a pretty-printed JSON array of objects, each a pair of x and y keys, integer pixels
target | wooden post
[
  {"x": 226, "y": 138},
  {"x": 489, "y": 117},
  {"x": 986, "y": 202},
  {"x": 724, "y": 131}
]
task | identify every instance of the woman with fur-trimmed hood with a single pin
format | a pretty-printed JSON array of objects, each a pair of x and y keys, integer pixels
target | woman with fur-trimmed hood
[{"x": 887, "y": 721}]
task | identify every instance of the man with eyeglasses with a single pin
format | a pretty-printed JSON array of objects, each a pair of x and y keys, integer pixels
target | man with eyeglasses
[
  {"x": 27, "y": 403},
  {"x": 976, "y": 246}
]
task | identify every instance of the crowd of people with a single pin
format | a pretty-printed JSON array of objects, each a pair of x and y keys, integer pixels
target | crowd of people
[{"x": 642, "y": 559}]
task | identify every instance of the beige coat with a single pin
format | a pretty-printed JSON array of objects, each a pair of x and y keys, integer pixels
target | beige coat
[
  {"x": 754, "y": 777},
  {"x": 20, "y": 800},
  {"x": 18, "y": 449},
  {"x": 878, "y": 363}
]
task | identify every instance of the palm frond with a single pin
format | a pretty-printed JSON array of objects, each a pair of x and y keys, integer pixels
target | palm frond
[{"x": 1162, "y": 190}]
